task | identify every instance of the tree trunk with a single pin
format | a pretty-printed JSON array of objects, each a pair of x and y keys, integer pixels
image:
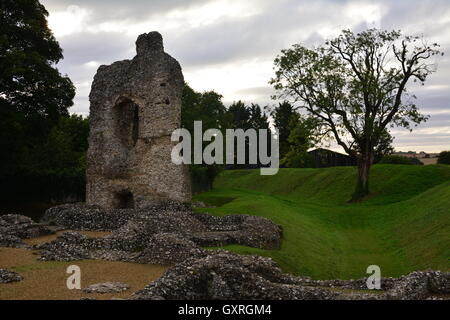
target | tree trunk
[{"x": 365, "y": 161}]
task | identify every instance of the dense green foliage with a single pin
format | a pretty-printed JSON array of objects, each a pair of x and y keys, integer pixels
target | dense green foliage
[
  {"x": 403, "y": 226},
  {"x": 42, "y": 146},
  {"x": 444, "y": 157},
  {"x": 297, "y": 134},
  {"x": 33, "y": 94},
  {"x": 43, "y": 186},
  {"x": 208, "y": 108},
  {"x": 385, "y": 147},
  {"x": 58, "y": 170},
  {"x": 304, "y": 134},
  {"x": 282, "y": 116},
  {"x": 242, "y": 116}
]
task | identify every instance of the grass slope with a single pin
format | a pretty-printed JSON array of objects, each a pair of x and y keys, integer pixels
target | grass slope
[{"x": 403, "y": 226}]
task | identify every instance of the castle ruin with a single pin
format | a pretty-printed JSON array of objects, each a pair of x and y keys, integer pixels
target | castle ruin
[{"x": 134, "y": 107}]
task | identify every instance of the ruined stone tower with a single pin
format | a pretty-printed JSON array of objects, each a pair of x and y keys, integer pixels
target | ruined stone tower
[{"x": 135, "y": 106}]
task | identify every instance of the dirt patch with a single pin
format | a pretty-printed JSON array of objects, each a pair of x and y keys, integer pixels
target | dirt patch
[
  {"x": 47, "y": 280},
  {"x": 429, "y": 161},
  {"x": 51, "y": 237}
]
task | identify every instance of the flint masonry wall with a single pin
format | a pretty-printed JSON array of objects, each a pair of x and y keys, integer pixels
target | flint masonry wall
[{"x": 135, "y": 106}]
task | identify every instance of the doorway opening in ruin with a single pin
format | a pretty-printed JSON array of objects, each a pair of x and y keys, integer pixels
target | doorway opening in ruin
[
  {"x": 126, "y": 121},
  {"x": 124, "y": 200}
]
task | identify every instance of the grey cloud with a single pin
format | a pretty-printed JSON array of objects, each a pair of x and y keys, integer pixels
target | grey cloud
[
  {"x": 105, "y": 47},
  {"x": 413, "y": 12},
  {"x": 262, "y": 35},
  {"x": 422, "y": 139},
  {"x": 259, "y": 91},
  {"x": 119, "y": 9}
]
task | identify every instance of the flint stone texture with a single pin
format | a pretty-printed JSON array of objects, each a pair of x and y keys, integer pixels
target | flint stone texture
[
  {"x": 135, "y": 107},
  {"x": 419, "y": 284},
  {"x": 79, "y": 216},
  {"x": 70, "y": 246},
  {"x": 160, "y": 234},
  {"x": 14, "y": 228},
  {"x": 221, "y": 275},
  {"x": 107, "y": 287},
  {"x": 7, "y": 276},
  {"x": 225, "y": 276}
]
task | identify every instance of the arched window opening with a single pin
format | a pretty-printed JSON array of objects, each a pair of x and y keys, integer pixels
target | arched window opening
[
  {"x": 126, "y": 114},
  {"x": 124, "y": 200}
]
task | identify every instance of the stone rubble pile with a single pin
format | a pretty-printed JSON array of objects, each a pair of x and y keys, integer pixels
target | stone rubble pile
[
  {"x": 164, "y": 234},
  {"x": 70, "y": 246},
  {"x": 79, "y": 216},
  {"x": 14, "y": 228},
  {"x": 107, "y": 287},
  {"x": 420, "y": 285},
  {"x": 226, "y": 276},
  {"x": 7, "y": 276}
]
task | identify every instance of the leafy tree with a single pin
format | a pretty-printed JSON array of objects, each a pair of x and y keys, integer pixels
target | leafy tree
[
  {"x": 66, "y": 145},
  {"x": 258, "y": 117},
  {"x": 444, "y": 157},
  {"x": 33, "y": 94},
  {"x": 384, "y": 147},
  {"x": 239, "y": 116},
  {"x": 259, "y": 120},
  {"x": 242, "y": 116},
  {"x": 77, "y": 129},
  {"x": 282, "y": 115},
  {"x": 56, "y": 169},
  {"x": 357, "y": 85},
  {"x": 208, "y": 108},
  {"x": 304, "y": 135},
  {"x": 190, "y": 108}
]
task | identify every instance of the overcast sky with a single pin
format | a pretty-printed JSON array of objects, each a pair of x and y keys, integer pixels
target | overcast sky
[{"x": 230, "y": 45}]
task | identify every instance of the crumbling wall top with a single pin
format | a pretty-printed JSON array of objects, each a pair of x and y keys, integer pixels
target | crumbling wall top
[{"x": 149, "y": 42}]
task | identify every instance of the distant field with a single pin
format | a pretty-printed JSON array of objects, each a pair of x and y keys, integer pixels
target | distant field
[
  {"x": 428, "y": 161},
  {"x": 403, "y": 226}
]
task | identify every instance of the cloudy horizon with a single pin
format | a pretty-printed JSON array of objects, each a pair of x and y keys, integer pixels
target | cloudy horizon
[{"x": 229, "y": 45}]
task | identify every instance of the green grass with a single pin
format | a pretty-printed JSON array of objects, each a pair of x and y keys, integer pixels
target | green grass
[{"x": 404, "y": 225}]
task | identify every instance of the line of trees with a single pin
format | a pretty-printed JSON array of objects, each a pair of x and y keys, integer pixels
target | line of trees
[
  {"x": 209, "y": 108},
  {"x": 42, "y": 146},
  {"x": 297, "y": 133}
]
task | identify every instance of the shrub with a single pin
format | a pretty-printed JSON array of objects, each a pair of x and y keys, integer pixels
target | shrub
[
  {"x": 202, "y": 177},
  {"x": 43, "y": 185},
  {"x": 392, "y": 159},
  {"x": 444, "y": 157}
]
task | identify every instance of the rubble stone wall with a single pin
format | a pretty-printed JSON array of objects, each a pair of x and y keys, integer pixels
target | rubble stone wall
[{"x": 135, "y": 106}]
